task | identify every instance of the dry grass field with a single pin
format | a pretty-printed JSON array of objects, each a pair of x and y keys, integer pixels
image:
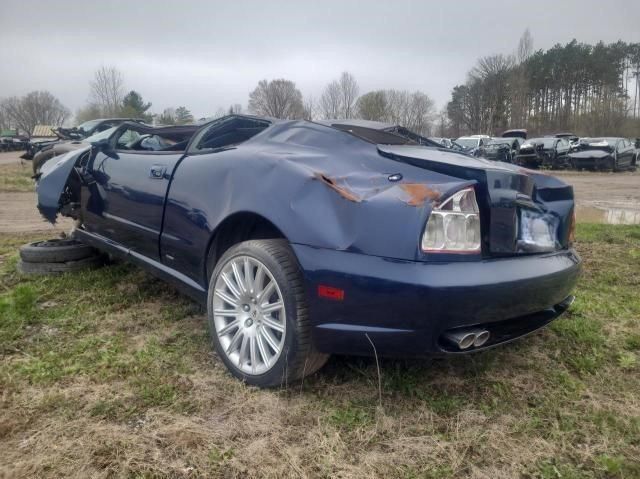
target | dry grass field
[{"x": 109, "y": 373}]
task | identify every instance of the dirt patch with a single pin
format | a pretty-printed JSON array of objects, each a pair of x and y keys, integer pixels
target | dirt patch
[
  {"x": 18, "y": 211},
  {"x": 18, "y": 214}
]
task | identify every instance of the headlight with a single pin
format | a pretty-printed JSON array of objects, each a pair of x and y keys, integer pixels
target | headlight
[{"x": 454, "y": 227}]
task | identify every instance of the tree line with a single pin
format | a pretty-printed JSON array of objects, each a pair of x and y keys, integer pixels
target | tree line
[
  {"x": 108, "y": 98},
  {"x": 341, "y": 99},
  {"x": 278, "y": 98},
  {"x": 588, "y": 89}
]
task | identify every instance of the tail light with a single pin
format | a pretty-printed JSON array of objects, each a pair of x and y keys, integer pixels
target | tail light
[{"x": 454, "y": 227}]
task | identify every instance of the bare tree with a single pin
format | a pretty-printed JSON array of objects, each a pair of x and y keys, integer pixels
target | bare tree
[
  {"x": 372, "y": 106},
  {"x": 525, "y": 46},
  {"x": 167, "y": 117},
  {"x": 339, "y": 97},
  {"x": 277, "y": 98},
  {"x": 4, "y": 121},
  {"x": 309, "y": 108},
  {"x": 107, "y": 90},
  {"x": 88, "y": 112},
  {"x": 35, "y": 108},
  {"x": 220, "y": 112},
  {"x": 330, "y": 101},
  {"x": 349, "y": 91}
]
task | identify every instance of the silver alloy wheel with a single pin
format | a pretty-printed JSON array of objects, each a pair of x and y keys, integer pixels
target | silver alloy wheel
[{"x": 249, "y": 315}]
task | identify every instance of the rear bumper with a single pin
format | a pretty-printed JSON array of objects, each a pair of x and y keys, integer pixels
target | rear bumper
[
  {"x": 405, "y": 307},
  {"x": 529, "y": 160}
]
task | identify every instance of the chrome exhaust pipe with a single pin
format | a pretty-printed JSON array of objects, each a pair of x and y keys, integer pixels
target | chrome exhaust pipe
[
  {"x": 462, "y": 339},
  {"x": 481, "y": 338},
  {"x": 466, "y": 338}
]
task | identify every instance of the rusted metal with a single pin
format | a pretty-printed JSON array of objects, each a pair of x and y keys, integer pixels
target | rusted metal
[
  {"x": 342, "y": 190},
  {"x": 418, "y": 194}
]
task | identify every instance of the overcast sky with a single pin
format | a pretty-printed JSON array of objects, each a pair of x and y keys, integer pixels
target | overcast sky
[{"x": 210, "y": 54}]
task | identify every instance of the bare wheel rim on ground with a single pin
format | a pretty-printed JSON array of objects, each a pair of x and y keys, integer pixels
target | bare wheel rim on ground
[{"x": 249, "y": 315}]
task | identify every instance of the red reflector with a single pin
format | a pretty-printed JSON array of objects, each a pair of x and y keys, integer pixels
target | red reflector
[{"x": 330, "y": 293}]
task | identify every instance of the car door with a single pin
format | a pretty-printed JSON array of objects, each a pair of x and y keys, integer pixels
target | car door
[
  {"x": 625, "y": 158},
  {"x": 126, "y": 191},
  {"x": 562, "y": 148}
]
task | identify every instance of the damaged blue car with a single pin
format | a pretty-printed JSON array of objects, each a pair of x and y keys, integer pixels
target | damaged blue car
[{"x": 305, "y": 239}]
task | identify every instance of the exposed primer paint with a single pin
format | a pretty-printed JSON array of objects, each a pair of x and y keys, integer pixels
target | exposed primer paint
[
  {"x": 418, "y": 194},
  {"x": 342, "y": 190}
]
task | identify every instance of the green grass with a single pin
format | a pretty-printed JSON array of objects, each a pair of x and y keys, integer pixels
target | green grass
[
  {"x": 16, "y": 177},
  {"x": 110, "y": 372}
]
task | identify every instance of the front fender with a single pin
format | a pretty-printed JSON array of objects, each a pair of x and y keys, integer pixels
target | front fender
[{"x": 52, "y": 180}]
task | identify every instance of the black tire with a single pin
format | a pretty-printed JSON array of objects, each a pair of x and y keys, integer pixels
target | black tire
[
  {"x": 91, "y": 262},
  {"x": 55, "y": 251},
  {"x": 298, "y": 357}
]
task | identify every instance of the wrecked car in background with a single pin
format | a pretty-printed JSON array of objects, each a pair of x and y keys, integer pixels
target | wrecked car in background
[
  {"x": 501, "y": 149},
  {"x": 604, "y": 154},
  {"x": 446, "y": 142},
  {"x": 472, "y": 144},
  {"x": 545, "y": 152},
  {"x": 77, "y": 133},
  {"x": 310, "y": 238},
  {"x": 148, "y": 138}
]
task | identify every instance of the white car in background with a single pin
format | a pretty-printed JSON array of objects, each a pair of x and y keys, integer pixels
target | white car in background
[{"x": 473, "y": 143}]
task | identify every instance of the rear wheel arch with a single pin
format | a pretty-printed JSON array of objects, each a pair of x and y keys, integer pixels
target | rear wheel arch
[{"x": 234, "y": 229}]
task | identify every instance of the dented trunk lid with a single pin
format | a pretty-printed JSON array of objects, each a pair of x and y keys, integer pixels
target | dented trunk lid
[{"x": 510, "y": 197}]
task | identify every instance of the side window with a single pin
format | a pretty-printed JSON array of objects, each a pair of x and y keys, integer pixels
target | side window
[
  {"x": 227, "y": 132},
  {"x": 127, "y": 139}
]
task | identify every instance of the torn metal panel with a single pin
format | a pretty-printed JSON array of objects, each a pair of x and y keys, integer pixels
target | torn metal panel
[{"x": 52, "y": 181}]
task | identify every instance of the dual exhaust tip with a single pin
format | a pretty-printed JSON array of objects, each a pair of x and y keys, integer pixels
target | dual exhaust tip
[{"x": 469, "y": 337}]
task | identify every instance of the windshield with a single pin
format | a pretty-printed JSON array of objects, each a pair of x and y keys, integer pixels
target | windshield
[
  {"x": 501, "y": 141},
  {"x": 88, "y": 125},
  {"x": 598, "y": 143},
  {"x": 99, "y": 136},
  {"x": 468, "y": 142},
  {"x": 546, "y": 142}
]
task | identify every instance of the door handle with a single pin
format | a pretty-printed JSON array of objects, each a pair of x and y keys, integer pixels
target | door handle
[{"x": 157, "y": 172}]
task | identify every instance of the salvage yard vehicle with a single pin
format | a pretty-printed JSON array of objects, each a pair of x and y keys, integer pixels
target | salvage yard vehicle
[
  {"x": 151, "y": 139},
  {"x": 473, "y": 144},
  {"x": 604, "y": 154},
  {"x": 91, "y": 127},
  {"x": 77, "y": 133},
  {"x": 501, "y": 149},
  {"x": 545, "y": 152},
  {"x": 305, "y": 238},
  {"x": 446, "y": 142}
]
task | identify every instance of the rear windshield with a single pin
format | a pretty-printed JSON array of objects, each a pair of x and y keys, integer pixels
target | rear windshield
[
  {"x": 377, "y": 137},
  {"x": 468, "y": 142}
]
